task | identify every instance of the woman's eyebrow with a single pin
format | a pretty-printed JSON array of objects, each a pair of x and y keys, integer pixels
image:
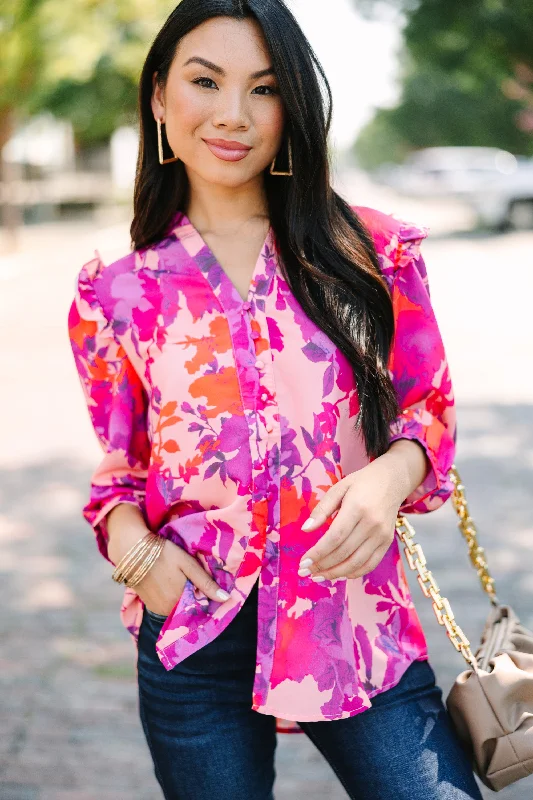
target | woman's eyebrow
[
  {"x": 205, "y": 63},
  {"x": 262, "y": 73},
  {"x": 215, "y": 68}
]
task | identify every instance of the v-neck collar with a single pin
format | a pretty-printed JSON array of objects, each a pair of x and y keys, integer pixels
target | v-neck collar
[{"x": 219, "y": 280}]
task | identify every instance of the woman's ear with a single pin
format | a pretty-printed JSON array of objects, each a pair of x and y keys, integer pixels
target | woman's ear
[{"x": 158, "y": 101}]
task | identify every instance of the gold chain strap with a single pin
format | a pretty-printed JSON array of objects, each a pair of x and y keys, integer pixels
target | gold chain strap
[
  {"x": 468, "y": 529},
  {"x": 417, "y": 562}
]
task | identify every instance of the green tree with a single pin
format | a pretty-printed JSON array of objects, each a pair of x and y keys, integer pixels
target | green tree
[
  {"x": 467, "y": 78},
  {"x": 20, "y": 58},
  {"x": 80, "y": 60}
]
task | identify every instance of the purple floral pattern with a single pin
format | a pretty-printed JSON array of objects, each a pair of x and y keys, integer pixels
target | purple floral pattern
[{"x": 225, "y": 421}]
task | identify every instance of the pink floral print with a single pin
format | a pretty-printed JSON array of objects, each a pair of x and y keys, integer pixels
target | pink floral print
[{"x": 225, "y": 421}]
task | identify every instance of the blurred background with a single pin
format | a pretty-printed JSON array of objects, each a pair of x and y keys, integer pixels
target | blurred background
[{"x": 434, "y": 123}]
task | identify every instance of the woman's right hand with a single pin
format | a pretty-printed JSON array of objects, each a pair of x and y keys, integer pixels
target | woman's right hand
[{"x": 162, "y": 586}]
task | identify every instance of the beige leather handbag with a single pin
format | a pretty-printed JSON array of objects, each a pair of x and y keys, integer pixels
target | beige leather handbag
[{"x": 491, "y": 702}]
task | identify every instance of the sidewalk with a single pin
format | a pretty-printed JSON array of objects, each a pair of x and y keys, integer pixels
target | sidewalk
[{"x": 68, "y": 712}]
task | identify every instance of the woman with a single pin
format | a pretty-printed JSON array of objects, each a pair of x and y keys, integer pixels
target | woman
[{"x": 268, "y": 381}]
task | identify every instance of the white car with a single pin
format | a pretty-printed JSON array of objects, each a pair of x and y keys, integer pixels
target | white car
[{"x": 497, "y": 184}]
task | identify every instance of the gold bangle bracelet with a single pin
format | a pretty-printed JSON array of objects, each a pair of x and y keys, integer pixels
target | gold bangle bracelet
[
  {"x": 142, "y": 545},
  {"x": 133, "y": 561},
  {"x": 147, "y": 565},
  {"x": 133, "y": 574},
  {"x": 131, "y": 565},
  {"x": 141, "y": 561}
]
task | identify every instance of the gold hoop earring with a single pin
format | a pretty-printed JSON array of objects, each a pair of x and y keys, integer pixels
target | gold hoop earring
[
  {"x": 274, "y": 171},
  {"x": 160, "y": 146}
]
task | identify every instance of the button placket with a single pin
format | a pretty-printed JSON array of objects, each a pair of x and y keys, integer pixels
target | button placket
[
  {"x": 265, "y": 368},
  {"x": 254, "y": 425},
  {"x": 266, "y": 461},
  {"x": 267, "y": 474}
]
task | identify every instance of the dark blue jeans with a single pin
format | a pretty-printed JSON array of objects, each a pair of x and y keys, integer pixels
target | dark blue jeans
[{"x": 208, "y": 744}]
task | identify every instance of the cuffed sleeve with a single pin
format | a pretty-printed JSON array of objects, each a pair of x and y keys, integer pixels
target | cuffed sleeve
[
  {"x": 420, "y": 374},
  {"x": 117, "y": 405}
]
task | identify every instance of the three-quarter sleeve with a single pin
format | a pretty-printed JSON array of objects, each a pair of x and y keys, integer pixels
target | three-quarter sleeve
[
  {"x": 117, "y": 405},
  {"x": 421, "y": 375}
]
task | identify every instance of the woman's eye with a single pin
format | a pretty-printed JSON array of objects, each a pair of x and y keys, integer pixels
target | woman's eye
[
  {"x": 207, "y": 83},
  {"x": 269, "y": 89}
]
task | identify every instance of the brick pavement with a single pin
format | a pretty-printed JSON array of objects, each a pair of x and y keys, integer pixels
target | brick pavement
[{"x": 68, "y": 715}]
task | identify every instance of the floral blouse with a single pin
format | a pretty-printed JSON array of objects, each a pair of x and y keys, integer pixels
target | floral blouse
[{"x": 225, "y": 421}]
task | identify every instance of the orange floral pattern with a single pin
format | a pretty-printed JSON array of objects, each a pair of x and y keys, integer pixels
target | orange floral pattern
[{"x": 225, "y": 421}]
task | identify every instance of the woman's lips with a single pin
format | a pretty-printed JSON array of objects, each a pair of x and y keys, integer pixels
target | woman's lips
[{"x": 227, "y": 151}]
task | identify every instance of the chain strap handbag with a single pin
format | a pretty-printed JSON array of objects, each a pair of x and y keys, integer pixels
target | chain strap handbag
[{"x": 490, "y": 702}]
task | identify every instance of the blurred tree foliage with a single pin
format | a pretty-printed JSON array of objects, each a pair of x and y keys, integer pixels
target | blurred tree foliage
[
  {"x": 79, "y": 59},
  {"x": 467, "y": 78}
]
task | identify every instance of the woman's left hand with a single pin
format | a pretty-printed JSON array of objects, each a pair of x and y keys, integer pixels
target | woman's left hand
[{"x": 363, "y": 529}]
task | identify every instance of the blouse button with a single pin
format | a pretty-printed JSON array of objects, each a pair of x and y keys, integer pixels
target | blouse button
[
  {"x": 255, "y": 335},
  {"x": 247, "y": 306},
  {"x": 264, "y": 396},
  {"x": 257, "y": 463},
  {"x": 259, "y": 364}
]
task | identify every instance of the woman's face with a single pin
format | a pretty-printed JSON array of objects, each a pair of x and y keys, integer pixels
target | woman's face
[{"x": 221, "y": 105}]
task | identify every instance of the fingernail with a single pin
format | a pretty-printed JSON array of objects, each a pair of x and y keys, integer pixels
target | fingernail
[
  {"x": 306, "y": 562},
  {"x": 222, "y": 594},
  {"x": 318, "y": 578},
  {"x": 308, "y": 524},
  {"x": 303, "y": 573}
]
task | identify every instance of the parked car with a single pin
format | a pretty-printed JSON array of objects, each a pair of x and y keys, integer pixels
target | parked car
[{"x": 495, "y": 183}]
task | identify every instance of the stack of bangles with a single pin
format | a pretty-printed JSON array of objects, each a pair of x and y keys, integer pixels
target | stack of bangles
[{"x": 139, "y": 559}]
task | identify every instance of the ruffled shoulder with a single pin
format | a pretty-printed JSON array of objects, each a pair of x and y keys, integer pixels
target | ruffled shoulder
[
  {"x": 86, "y": 315},
  {"x": 100, "y": 285},
  {"x": 397, "y": 241},
  {"x": 84, "y": 293}
]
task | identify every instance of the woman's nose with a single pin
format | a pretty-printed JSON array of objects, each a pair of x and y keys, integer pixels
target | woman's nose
[{"x": 232, "y": 111}]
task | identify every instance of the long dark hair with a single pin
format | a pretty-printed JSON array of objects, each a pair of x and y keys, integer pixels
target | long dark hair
[{"x": 327, "y": 255}]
